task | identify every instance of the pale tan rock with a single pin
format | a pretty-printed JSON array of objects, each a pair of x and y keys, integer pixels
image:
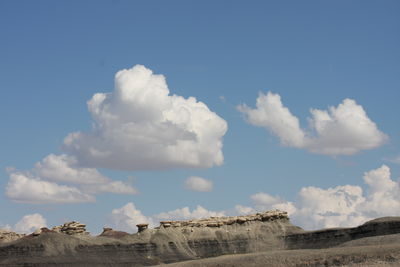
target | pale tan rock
[
  {"x": 8, "y": 236},
  {"x": 221, "y": 221},
  {"x": 71, "y": 228}
]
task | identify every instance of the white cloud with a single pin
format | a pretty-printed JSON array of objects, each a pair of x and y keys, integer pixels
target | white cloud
[
  {"x": 264, "y": 201},
  {"x": 340, "y": 206},
  {"x": 141, "y": 126},
  {"x": 315, "y": 208},
  {"x": 342, "y": 130},
  {"x": 41, "y": 185},
  {"x": 186, "y": 214},
  {"x": 333, "y": 207},
  {"x": 244, "y": 210},
  {"x": 383, "y": 193},
  {"x": 272, "y": 115},
  {"x": 199, "y": 184},
  {"x": 127, "y": 217},
  {"x": 26, "y": 189},
  {"x": 115, "y": 187},
  {"x": 64, "y": 168},
  {"x": 30, "y": 223}
]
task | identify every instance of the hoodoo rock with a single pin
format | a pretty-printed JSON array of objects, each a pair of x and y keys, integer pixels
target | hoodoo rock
[
  {"x": 71, "y": 228},
  {"x": 142, "y": 226}
]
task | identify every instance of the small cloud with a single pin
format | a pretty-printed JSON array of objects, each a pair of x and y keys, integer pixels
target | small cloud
[
  {"x": 244, "y": 210},
  {"x": 127, "y": 217},
  {"x": 222, "y": 98},
  {"x": 198, "y": 184},
  {"x": 264, "y": 201},
  {"x": 186, "y": 214},
  {"x": 30, "y": 223}
]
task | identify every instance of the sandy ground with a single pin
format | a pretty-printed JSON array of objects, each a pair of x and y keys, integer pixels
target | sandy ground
[{"x": 370, "y": 255}]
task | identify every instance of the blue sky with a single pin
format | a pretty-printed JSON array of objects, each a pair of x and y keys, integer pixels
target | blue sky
[{"x": 55, "y": 55}]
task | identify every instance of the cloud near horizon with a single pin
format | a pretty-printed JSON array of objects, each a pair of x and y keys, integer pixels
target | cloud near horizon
[
  {"x": 127, "y": 217},
  {"x": 340, "y": 206},
  {"x": 342, "y": 130},
  {"x": 315, "y": 208},
  {"x": 140, "y": 126},
  {"x": 29, "y": 223}
]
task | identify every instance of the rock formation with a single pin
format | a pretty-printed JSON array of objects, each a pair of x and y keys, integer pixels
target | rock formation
[
  {"x": 175, "y": 241},
  {"x": 221, "y": 221},
  {"x": 109, "y": 232},
  {"x": 142, "y": 226},
  {"x": 71, "y": 228},
  {"x": 8, "y": 236}
]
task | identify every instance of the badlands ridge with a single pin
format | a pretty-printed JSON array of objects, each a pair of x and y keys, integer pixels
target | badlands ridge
[{"x": 262, "y": 239}]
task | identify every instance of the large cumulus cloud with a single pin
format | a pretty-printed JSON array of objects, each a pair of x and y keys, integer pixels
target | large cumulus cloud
[
  {"x": 141, "y": 126},
  {"x": 342, "y": 130}
]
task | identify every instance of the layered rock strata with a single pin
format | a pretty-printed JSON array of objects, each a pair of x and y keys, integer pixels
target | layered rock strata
[
  {"x": 221, "y": 221},
  {"x": 175, "y": 241},
  {"x": 327, "y": 238},
  {"x": 170, "y": 242}
]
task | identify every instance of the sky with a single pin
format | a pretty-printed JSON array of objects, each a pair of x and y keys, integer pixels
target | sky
[{"x": 115, "y": 113}]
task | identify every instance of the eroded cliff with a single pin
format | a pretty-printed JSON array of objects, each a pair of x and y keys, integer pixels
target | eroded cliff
[{"x": 175, "y": 241}]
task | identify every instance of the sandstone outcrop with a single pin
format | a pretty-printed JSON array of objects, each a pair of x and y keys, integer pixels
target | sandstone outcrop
[
  {"x": 8, "y": 236},
  {"x": 221, "y": 221},
  {"x": 109, "y": 232},
  {"x": 71, "y": 228}
]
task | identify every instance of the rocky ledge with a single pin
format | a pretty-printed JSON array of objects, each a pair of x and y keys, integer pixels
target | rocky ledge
[
  {"x": 221, "y": 221},
  {"x": 8, "y": 236},
  {"x": 71, "y": 228}
]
